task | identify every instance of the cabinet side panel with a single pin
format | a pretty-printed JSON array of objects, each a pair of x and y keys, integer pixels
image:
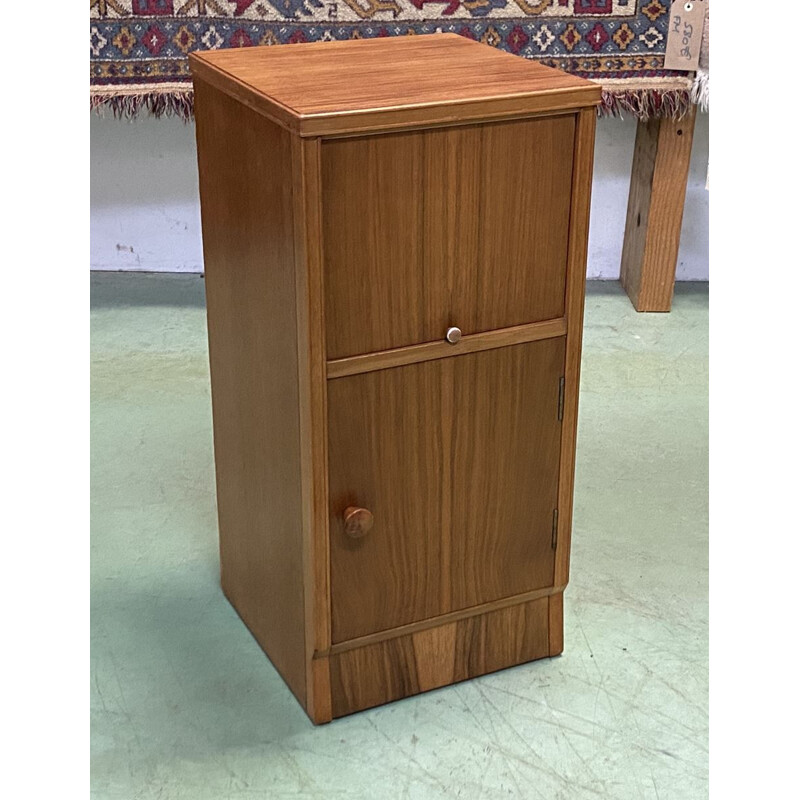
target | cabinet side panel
[{"x": 245, "y": 165}]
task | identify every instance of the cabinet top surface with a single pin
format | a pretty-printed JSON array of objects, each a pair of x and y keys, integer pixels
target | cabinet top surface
[{"x": 392, "y": 82}]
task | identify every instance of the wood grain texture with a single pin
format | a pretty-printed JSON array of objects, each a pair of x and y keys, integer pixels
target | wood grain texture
[
  {"x": 461, "y": 478},
  {"x": 383, "y": 455},
  {"x": 373, "y": 212},
  {"x": 556, "y": 625},
  {"x": 444, "y": 619},
  {"x": 430, "y": 351},
  {"x": 461, "y": 226},
  {"x": 506, "y": 440},
  {"x": 406, "y": 665},
  {"x": 326, "y": 88},
  {"x": 583, "y": 163},
  {"x": 655, "y": 211},
  {"x": 312, "y": 397},
  {"x": 524, "y": 222},
  {"x": 248, "y": 248}
]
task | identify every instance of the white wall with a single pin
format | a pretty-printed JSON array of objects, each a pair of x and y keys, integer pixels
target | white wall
[{"x": 145, "y": 209}]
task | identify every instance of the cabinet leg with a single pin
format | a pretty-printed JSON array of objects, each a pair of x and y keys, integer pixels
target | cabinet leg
[{"x": 655, "y": 211}]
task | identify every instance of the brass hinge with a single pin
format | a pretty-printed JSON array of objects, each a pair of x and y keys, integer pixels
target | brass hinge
[
  {"x": 560, "y": 399},
  {"x": 554, "y": 536}
]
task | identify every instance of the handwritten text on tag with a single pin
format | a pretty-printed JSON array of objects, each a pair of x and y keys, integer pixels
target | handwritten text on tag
[{"x": 686, "y": 18}]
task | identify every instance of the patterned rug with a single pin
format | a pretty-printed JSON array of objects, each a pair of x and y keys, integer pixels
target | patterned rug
[{"x": 139, "y": 47}]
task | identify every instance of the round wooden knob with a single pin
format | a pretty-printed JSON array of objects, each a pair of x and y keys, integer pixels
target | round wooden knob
[{"x": 357, "y": 521}]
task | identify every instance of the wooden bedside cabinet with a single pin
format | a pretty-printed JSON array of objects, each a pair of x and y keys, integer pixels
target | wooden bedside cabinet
[{"x": 395, "y": 237}]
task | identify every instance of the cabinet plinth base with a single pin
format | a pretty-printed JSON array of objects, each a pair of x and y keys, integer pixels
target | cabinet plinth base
[{"x": 429, "y": 659}]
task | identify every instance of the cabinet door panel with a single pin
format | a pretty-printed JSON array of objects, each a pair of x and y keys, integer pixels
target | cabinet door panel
[
  {"x": 385, "y": 456},
  {"x": 526, "y": 186},
  {"x": 462, "y": 226},
  {"x": 506, "y": 451},
  {"x": 457, "y": 459},
  {"x": 372, "y": 220}
]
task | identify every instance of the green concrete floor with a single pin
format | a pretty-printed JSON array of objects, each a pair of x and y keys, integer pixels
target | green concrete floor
[{"x": 184, "y": 703}]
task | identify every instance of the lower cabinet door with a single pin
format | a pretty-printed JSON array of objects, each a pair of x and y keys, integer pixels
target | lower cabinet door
[{"x": 455, "y": 465}]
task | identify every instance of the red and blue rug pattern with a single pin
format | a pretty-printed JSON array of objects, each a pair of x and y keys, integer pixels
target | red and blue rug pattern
[{"x": 139, "y": 48}]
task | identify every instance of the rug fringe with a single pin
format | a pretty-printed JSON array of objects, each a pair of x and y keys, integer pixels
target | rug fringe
[
  {"x": 646, "y": 103},
  {"x": 641, "y": 103},
  {"x": 158, "y": 104},
  {"x": 700, "y": 89}
]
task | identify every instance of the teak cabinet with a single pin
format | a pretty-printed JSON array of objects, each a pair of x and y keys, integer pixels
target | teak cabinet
[{"x": 394, "y": 234}]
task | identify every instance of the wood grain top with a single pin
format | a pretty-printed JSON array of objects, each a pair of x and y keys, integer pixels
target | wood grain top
[{"x": 332, "y": 88}]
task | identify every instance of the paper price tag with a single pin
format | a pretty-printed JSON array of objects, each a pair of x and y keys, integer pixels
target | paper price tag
[{"x": 686, "y": 19}]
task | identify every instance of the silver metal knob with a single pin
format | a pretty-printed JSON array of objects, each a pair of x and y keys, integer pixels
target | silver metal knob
[{"x": 453, "y": 335}]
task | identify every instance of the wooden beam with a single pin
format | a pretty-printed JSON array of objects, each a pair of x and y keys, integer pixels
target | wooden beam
[{"x": 655, "y": 211}]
